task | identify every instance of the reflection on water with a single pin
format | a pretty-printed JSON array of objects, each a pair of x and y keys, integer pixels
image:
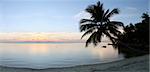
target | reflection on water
[
  {"x": 105, "y": 53},
  {"x": 45, "y": 55},
  {"x": 38, "y": 48}
]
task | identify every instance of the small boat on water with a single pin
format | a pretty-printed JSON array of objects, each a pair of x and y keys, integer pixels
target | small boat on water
[{"x": 104, "y": 46}]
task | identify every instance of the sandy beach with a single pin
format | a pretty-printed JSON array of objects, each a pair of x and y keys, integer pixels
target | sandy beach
[{"x": 137, "y": 64}]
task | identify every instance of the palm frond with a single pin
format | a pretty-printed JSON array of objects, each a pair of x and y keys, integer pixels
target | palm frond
[
  {"x": 109, "y": 36},
  {"x": 90, "y": 39},
  {"x": 115, "y": 32},
  {"x": 104, "y": 16},
  {"x": 117, "y": 23},
  {"x": 114, "y": 11},
  {"x": 88, "y": 32},
  {"x": 98, "y": 3},
  {"x": 86, "y": 20},
  {"x": 89, "y": 9},
  {"x": 95, "y": 41},
  {"x": 84, "y": 27},
  {"x": 99, "y": 35}
]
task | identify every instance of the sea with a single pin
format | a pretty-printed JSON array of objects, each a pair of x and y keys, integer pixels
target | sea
[{"x": 55, "y": 55}]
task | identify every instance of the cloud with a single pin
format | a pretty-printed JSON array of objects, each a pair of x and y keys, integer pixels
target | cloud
[{"x": 81, "y": 15}]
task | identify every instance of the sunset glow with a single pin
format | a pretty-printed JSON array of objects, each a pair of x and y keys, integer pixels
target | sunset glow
[{"x": 40, "y": 37}]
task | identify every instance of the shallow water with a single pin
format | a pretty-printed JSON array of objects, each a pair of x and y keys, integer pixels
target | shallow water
[{"x": 52, "y": 55}]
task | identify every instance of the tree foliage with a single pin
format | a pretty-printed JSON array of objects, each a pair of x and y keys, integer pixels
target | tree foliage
[
  {"x": 100, "y": 24},
  {"x": 135, "y": 40}
]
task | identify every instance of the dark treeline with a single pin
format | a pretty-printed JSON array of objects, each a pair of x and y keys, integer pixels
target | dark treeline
[{"x": 134, "y": 41}]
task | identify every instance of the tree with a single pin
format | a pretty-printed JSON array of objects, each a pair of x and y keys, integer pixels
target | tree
[
  {"x": 100, "y": 24},
  {"x": 135, "y": 39}
]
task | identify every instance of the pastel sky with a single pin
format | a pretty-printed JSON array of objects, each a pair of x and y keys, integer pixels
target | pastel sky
[
  {"x": 40, "y": 37},
  {"x": 55, "y": 16}
]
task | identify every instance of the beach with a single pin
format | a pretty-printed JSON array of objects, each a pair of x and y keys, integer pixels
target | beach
[{"x": 136, "y": 64}]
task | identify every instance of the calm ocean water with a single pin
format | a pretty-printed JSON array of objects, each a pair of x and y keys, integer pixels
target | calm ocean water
[{"x": 52, "y": 55}]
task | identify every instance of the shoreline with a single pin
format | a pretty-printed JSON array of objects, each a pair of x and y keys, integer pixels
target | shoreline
[
  {"x": 140, "y": 63},
  {"x": 98, "y": 63}
]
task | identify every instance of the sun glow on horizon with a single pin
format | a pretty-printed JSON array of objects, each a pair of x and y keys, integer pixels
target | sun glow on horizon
[
  {"x": 39, "y": 37},
  {"x": 35, "y": 37}
]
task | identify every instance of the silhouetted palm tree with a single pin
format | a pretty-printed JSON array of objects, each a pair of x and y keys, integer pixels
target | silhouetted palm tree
[{"x": 100, "y": 24}]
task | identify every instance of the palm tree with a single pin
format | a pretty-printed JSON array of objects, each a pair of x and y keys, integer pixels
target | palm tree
[{"x": 100, "y": 24}]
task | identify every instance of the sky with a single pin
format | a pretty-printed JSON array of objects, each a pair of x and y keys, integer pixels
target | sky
[
  {"x": 40, "y": 37},
  {"x": 60, "y": 16}
]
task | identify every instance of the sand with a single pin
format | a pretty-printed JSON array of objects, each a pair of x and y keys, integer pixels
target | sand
[{"x": 137, "y": 64}]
